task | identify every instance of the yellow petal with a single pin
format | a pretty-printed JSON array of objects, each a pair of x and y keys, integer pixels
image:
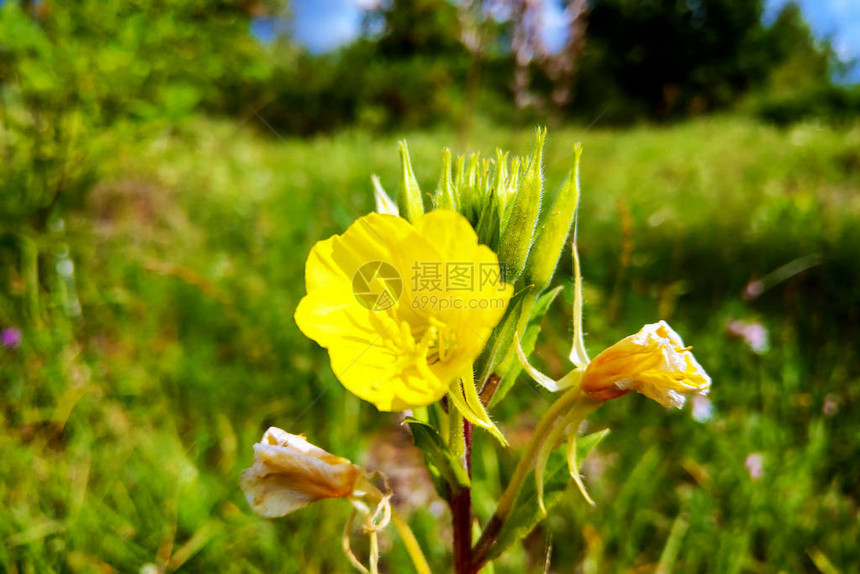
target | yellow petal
[{"x": 390, "y": 341}]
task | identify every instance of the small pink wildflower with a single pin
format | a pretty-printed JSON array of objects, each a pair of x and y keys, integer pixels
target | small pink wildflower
[
  {"x": 755, "y": 465},
  {"x": 10, "y": 337},
  {"x": 753, "y": 333}
]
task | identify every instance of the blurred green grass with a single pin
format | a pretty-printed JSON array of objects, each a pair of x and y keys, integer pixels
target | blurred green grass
[{"x": 123, "y": 431}]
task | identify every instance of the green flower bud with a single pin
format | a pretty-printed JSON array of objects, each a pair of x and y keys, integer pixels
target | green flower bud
[
  {"x": 445, "y": 197},
  {"x": 471, "y": 203},
  {"x": 518, "y": 229},
  {"x": 554, "y": 229},
  {"x": 408, "y": 194}
]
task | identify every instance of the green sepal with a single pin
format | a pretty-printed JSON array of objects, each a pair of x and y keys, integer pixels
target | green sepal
[
  {"x": 575, "y": 457},
  {"x": 586, "y": 444},
  {"x": 408, "y": 193},
  {"x": 443, "y": 465},
  {"x": 527, "y": 512}
]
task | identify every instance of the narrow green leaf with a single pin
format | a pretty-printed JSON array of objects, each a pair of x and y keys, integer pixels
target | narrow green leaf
[
  {"x": 444, "y": 466},
  {"x": 501, "y": 339},
  {"x": 527, "y": 512},
  {"x": 509, "y": 367},
  {"x": 586, "y": 444}
]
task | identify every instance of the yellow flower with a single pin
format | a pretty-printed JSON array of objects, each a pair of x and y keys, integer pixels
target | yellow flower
[
  {"x": 289, "y": 473},
  {"x": 654, "y": 362},
  {"x": 403, "y": 309}
]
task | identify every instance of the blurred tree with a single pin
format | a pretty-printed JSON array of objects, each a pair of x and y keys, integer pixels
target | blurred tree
[
  {"x": 669, "y": 58},
  {"x": 539, "y": 73},
  {"x": 800, "y": 84},
  {"x": 415, "y": 27},
  {"x": 418, "y": 64},
  {"x": 800, "y": 59}
]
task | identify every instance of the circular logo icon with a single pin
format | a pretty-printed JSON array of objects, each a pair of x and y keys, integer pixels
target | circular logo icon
[{"x": 377, "y": 286}]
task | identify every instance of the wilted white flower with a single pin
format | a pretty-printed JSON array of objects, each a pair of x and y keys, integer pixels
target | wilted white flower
[{"x": 289, "y": 473}]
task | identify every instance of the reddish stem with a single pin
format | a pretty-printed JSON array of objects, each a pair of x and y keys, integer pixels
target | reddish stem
[{"x": 461, "y": 513}]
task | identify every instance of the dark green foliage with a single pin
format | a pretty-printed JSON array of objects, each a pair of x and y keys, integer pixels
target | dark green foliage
[
  {"x": 800, "y": 85},
  {"x": 672, "y": 58},
  {"x": 641, "y": 60},
  {"x": 410, "y": 28},
  {"x": 835, "y": 104},
  {"x": 69, "y": 69},
  {"x": 443, "y": 465},
  {"x": 410, "y": 72}
]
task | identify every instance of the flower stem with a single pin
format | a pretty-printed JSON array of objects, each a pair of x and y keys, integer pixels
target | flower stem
[
  {"x": 411, "y": 543},
  {"x": 488, "y": 537},
  {"x": 374, "y": 553},
  {"x": 461, "y": 512}
]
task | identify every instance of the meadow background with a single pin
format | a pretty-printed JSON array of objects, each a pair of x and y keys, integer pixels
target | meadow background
[{"x": 167, "y": 166}]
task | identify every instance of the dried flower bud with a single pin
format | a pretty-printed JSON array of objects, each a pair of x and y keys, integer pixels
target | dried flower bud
[
  {"x": 653, "y": 362},
  {"x": 289, "y": 473}
]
